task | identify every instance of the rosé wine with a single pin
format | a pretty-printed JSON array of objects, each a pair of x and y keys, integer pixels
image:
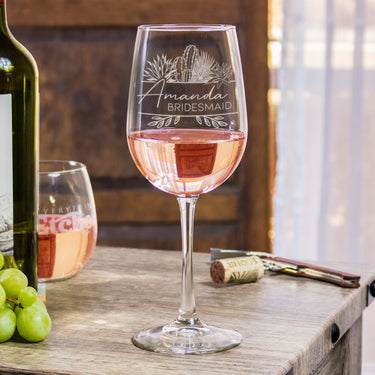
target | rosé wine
[
  {"x": 187, "y": 162},
  {"x": 66, "y": 243}
]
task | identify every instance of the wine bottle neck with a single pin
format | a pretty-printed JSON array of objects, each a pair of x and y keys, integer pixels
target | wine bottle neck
[{"x": 3, "y": 18}]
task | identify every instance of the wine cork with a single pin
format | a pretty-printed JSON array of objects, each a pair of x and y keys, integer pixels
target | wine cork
[{"x": 237, "y": 270}]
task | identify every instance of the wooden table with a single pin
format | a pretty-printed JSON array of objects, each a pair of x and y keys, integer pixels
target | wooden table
[{"x": 286, "y": 321}]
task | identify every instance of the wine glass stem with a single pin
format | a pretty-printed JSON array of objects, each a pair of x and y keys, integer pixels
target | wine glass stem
[{"x": 187, "y": 312}]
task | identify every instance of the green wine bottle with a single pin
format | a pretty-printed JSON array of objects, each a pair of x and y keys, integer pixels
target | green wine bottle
[{"x": 19, "y": 153}]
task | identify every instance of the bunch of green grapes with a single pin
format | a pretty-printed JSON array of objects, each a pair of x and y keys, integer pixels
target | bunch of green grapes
[{"x": 20, "y": 308}]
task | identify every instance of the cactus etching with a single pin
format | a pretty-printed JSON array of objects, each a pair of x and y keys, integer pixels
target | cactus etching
[
  {"x": 193, "y": 66},
  {"x": 190, "y": 56},
  {"x": 184, "y": 64},
  {"x": 179, "y": 72}
]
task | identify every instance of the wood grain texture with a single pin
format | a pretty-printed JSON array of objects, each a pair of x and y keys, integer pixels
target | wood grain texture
[
  {"x": 257, "y": 168},
  {"x": 343, "y": 359},
  {"x": 219, "y": 206},
  {"x": 138, "y": 217},
  {"x": 84, "y": 81},
  {"x": 67, "y": 13},
  {"x": 165, "y": 235},
  {"x": 285, "y": 321}
]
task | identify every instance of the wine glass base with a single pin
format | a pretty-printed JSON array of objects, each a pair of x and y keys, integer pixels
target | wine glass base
[{"x": 182, "y": 338}]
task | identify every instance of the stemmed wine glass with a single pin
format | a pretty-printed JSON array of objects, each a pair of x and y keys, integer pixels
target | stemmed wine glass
[{"x": 186, "y": 131}]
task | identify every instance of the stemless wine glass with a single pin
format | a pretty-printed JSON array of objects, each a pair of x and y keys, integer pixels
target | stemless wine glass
[
  {"x": 186, "y": 131},
  {"x": 67, "y": 219}
]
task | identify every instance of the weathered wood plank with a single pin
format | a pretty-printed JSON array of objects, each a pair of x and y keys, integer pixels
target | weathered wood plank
[
  {"x": 343, "y": 359},
  {"x": 168, "y": 236},
  {"x": 257, "y": 166},
  {"x": 284, "y": 320},
  {"x": 147, "y": 205},
  {"x": 84, "y": 83},
  {"x": 93, "y": 13}
]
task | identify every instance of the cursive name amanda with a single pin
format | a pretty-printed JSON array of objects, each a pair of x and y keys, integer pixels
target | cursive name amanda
[{"x": 157, "y": 90}]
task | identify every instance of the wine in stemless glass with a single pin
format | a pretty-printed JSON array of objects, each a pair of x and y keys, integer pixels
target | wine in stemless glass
[
  {"x": 65, "y": 245},
  {"x": 67, "y": 219}
]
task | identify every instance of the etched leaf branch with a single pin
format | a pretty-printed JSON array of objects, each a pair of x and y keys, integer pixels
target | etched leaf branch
[
  {"x": 164, "y": 121},
  {"x": 211, "y": 120}
]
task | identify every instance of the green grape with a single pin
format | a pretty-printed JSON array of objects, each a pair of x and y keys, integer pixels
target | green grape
[
  {"x": 12, "y": 280},
  {"x": 8, "y": 305},
  {"x": 33, "y": 323},
  {"x": 17, "y": 310},
  {"x": 2, "y": 296},
  {"x": 27, "y": 296},
  {"x": 1, "y": 260},
  {"x": 7, "y": 324},
  {"x": 40, "y": 304}
]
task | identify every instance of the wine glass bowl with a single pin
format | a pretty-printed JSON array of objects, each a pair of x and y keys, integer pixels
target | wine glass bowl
[
  {"x": 186, "y": 131},
  {"x": 67, "y": 219},
  {"x": 186, "y": 162}
]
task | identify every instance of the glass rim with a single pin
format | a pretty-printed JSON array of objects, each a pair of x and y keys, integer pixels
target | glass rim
[
  {"x": 60, "y": 167},
  {"x": 187, "y": 27}
]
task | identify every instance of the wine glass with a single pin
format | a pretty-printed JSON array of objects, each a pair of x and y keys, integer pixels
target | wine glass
[
  {"x": 67, "y": 219},
  {"x": 186, "y": 131}
]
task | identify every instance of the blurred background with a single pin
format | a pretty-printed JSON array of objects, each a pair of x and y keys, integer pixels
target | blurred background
[
  {"x": 306, "y": 186},
  {"x": 84, "y": 53}
]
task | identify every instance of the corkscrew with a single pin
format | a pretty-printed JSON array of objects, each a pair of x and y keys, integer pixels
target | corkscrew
[{"x": 292, "y": 267}]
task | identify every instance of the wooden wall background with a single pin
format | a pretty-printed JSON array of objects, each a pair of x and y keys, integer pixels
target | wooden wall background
[{"x": 84, "y": 50}]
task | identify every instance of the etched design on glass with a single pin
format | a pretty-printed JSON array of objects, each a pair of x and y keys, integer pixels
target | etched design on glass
[
  {"x": 160, "y": 68},
  {"x": 65, "y": 223},
  {"x": 160, "y": 121},
  {"x": 214, "y": 121},
  {"x": 193, "y": 66},
  {"x": 202, "y": 99}
]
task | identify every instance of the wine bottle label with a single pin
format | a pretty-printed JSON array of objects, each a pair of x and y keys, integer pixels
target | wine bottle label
[{"x": 6, "y": 175}]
